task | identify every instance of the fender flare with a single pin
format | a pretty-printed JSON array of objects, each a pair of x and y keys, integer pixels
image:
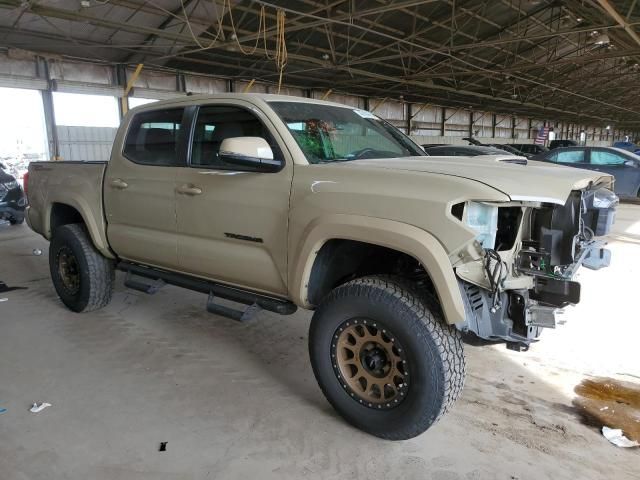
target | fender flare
[
  {"x": 399, "y": 236},
  {"x": 95, "y": 227}
]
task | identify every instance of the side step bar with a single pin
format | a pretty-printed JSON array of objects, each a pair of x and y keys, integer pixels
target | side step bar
[
  {"x": 148, "y": 288},
  {"x": 232, "y": 313},
  {"x": 255, "y": 301}
]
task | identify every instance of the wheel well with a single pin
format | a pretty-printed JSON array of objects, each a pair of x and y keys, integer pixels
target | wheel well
[
  {"x": 340, "y": 261},
  {"x": 62, "y": 214}
]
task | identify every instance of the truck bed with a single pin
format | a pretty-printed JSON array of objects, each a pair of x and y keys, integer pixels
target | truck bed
[{"x": 67, "y": 184}]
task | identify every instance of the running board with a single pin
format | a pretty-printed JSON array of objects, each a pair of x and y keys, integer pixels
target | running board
[
  {"x": 213, "y": 289},
  {"x": 232, "y": 313},
  {"x": 148, "y": 288}
]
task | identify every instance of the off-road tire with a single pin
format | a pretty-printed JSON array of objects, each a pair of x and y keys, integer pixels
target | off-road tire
[
  {"x": 433, "y": 349},
  {"x": 96, "y": 272}
]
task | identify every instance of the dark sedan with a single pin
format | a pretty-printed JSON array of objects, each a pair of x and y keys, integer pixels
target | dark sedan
[
  {"x": 12, "y": 199},
  {"x": 529, "y": 148},
  {"x": 461, "y": 151},
  {"x": 623, "y": 165}
]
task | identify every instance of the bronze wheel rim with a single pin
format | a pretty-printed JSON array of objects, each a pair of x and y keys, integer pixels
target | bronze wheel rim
[
  {"x": 370, "y": 363},
  {"x": 68, "y": 270}
]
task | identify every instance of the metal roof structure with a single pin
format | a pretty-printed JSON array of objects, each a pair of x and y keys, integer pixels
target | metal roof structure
[{"x": 575, "y": 60}]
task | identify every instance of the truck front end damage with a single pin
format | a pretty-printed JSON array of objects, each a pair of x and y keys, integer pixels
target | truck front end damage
[{"x": 516, "y": 276}]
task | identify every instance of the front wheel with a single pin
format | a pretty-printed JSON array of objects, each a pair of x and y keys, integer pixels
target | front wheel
[
  {"x": 82, "y": 277},
  {"x": 384, "y": 358}
]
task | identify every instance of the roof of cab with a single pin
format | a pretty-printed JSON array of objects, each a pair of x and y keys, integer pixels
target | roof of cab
[{"x": 265, "y": 97}]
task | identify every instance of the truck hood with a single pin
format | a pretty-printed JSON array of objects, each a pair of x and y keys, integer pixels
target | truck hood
[{"x": 533, "y": 181}]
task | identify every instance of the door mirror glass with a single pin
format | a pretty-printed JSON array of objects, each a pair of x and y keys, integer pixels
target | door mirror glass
[
  {"x": 631, "y": 163},
  {"x": 251, "y": 152}
]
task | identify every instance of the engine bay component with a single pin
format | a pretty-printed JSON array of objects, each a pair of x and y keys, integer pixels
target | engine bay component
[
  {"x": 554, "y": 292},
  {"x": 542, "y": 316},
  {"x": 551, "y": 241},
  {"x": 561, "y": 237}
]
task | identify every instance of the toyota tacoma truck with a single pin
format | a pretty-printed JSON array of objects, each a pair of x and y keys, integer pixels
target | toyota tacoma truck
[{"x": 275, "y": 203}]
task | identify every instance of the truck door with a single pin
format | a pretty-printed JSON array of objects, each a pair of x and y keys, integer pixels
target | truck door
[
  {"x": 140, "y": 184},
  {"x": 232, "y": 223}
]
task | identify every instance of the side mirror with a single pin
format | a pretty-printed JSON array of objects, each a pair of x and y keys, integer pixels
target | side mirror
[
  {"x": 631, "y": 163},
  {"x": 252, "y": 152}
]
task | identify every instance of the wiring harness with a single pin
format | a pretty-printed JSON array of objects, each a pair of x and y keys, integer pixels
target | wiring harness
[{"x": 496, "y": 270}]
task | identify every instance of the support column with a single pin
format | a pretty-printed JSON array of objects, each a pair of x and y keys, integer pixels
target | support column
[
  {"x": 49, "y": 114},
  {"x": 442, "y": 121},
  {"x": 121, "y": 81},
  {"x": 493, "y": 125},
  {"x": 471, "y": 123}
]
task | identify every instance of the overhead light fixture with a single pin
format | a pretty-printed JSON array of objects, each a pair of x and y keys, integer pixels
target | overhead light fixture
[
  {"x": 602, "y": 40},
  {"x": 325, "y": 56},
  {"x": 608, "y": 127}
]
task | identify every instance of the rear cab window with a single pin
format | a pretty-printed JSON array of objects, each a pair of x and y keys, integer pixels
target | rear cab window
[{"x": 155, "y": 138}]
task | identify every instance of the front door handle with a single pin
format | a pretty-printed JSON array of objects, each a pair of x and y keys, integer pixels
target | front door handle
[
  {"x": 189, "y": 190},
  {"x": 119, "y": 184}
]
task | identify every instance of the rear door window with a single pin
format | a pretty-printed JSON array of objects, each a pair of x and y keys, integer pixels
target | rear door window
[
  {"x": 603, "y": 157},
  {"x": 154, "y": 138}
]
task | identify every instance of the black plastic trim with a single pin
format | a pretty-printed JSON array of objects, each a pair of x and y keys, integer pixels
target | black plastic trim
[{"x": 247, "y": 297}]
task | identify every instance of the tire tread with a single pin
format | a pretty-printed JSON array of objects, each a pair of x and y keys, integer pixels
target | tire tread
[
  {"x": 447, "y": 338},
  {"x": 101, "y": 271}
]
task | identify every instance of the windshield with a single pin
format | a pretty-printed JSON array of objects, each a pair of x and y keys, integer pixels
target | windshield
[{"x": 326, "y": 133}]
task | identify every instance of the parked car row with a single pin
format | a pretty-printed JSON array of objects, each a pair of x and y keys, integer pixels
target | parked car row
[{"x": 623, "y": 164}]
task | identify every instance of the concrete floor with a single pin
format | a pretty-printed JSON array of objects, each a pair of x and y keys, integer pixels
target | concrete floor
[{"x": 239, "y": 401}]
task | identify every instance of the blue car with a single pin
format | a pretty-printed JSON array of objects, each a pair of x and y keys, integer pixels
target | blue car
[
  {"x": 630, "y": 147},
  {"x": 622, "y": 164}
]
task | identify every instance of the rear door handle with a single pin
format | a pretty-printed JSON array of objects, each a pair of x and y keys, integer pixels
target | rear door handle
[
  {"x": 119, "y": 184},
  {"x": 189, "y": 190}
]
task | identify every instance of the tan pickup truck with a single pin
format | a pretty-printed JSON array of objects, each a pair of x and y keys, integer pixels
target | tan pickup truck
[{"x": 278, "y": 202}]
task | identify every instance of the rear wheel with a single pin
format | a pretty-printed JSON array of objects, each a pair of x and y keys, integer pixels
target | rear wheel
[
  {"x": 384, "y": 358},
  {"x": 82, "y": 277},
  {"x": 16, "y": 220}
]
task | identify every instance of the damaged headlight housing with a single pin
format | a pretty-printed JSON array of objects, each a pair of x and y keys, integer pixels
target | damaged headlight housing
[{"x": 483, "y": 219}]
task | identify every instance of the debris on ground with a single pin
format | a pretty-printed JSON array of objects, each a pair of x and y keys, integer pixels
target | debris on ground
[
  {"x": 163, "y": 447},
  {"x": 4, "y": 299},
  {"x": 38, "y": 408},
  {"x": 613, "y": 405},
  {"x": 2, "y": 410},
  {"x": 5, "y": 288},
  {"x": 615, "y": 436}
]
